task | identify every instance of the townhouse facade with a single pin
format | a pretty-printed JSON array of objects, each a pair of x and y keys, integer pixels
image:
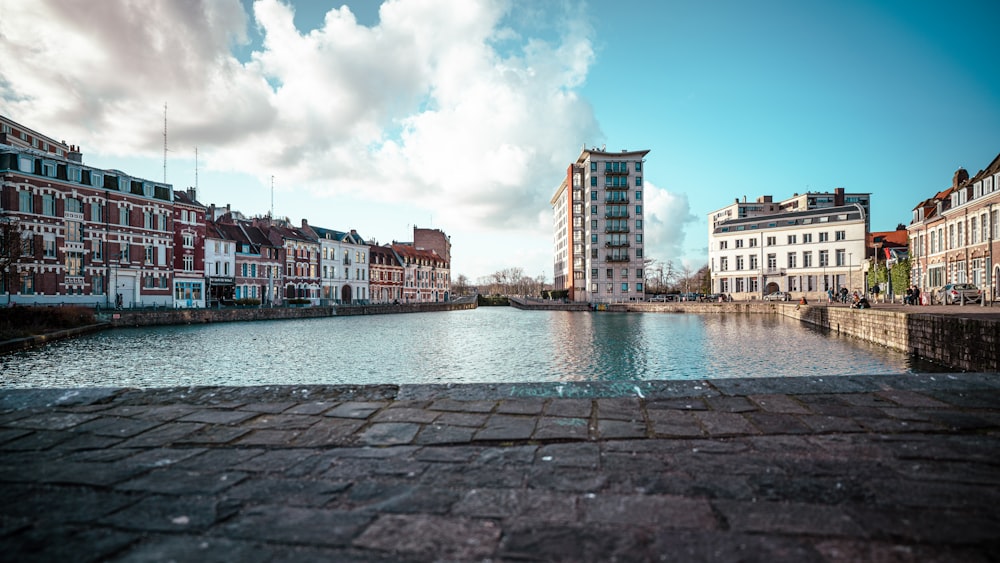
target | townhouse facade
[
  {"x": 386, "y": 275},
  {"x": 807, "y": 248},
  {"x": 955, "y": 234},
  {"x": 343, "y": 265},
  {"x": 90, "y": 236},
  {"x": 102, "y": 238},
  {"x": 598, "y": 227},
  {"x": 424, "y": 275}
]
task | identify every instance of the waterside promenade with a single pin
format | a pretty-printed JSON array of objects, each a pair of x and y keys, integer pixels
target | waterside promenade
[{"x": 890, "y": 468}]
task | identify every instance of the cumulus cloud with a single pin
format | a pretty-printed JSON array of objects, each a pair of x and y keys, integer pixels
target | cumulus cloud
[
  {"x": 666, "y": 216},
  {"x": 448, "y": 105}
]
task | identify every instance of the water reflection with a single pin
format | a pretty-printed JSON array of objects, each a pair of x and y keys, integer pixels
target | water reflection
[{"x": 483, "y": 345}]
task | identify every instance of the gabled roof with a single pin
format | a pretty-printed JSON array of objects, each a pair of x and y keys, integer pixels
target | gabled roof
[
  {"x": 392, "y": 258},
  {"x": 406, "y": 251},
  {"x": 889, "y": 238},
  {"x": 351, "y": 237}
]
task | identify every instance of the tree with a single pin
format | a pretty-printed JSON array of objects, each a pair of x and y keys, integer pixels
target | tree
[
  {"x": 461, "y": 285},
  {"x": 11, "y": 251}
]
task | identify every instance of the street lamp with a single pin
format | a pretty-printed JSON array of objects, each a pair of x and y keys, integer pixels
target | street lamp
[
  {"x": 850, "y": 271},
  {"x": 6, "y": 282}
]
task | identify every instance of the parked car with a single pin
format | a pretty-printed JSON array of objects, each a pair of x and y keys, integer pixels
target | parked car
[
  {"x": 658, "y": 298},
  {"x": 778, "y": 296},
  {"x": 957, "y": 292}
]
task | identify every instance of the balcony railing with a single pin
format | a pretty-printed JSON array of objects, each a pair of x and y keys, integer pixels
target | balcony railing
[
  {"x": 613, "y": 258},
  {"x": 774, "y": 271},
  {"x": 625, "y": 172},
  {"x": 616, "y": 230},
  {"x": 621, "y": 244},
  {"x": 616, "y": 215},
  {"x": 617, "y": 188}
]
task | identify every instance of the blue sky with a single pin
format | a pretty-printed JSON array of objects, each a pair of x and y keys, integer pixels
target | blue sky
[{"x": 463, "y": 115}]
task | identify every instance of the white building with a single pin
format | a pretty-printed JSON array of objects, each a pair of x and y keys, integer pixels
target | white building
[
  {"x": 800, "y": 252},
  {"x": 343, "y": 266},
  {"x": 597, "y": 226}
]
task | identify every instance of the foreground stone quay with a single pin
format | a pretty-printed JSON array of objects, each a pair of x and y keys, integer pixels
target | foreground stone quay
[{"x": 881, "y": 468}]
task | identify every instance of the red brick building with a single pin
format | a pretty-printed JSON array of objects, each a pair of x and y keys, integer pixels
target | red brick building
[{"x": 386, "y": 275}]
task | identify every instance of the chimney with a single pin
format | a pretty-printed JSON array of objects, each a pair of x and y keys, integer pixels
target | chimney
[
  {"x": 305, "y": 224},
  {"x": 838, "y": 196},
  {"x": 192, "y": 193}
]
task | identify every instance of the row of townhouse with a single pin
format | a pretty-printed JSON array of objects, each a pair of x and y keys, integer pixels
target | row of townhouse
[
  {"x": 955, "y": 233},
  {"x": 808, "y": 244},
  {"x": 103, "y": 238}
]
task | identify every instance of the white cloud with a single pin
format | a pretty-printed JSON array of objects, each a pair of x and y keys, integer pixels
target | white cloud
[
  {"x": 666, "y": 216},
  {"x": 451, "y": 106}
]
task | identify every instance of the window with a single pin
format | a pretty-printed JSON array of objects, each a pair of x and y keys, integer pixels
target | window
[
  {"x": 753, "y": 261},
  {"x": 824, "y": 237},
  {"x": 610, "y": 273},
  {"x": 188, "y": 263},
  {"x": 739, "y": 243},
  {"x": 49, "y": 205},
  {"x": 187, "y": 240},
  {"x": 841, "y": 254},
  {"x": 638, "y": 238},
  {"x": 771, "y": 241},
  {"x": 98, "y": 249},
  {"x": 638, "y": 181},
  {"x": 739, "y": 262},
  {"x": 792, "y": 260},
  {"x": 97, "y": 283},
  {"x": 123, "y": 252},
  {"x": 772, "y": 261},
  {"x": 624, "y": 288},
  {"x": 723, "y": 264},
  {"x": 807, "y": 238},
  {"x": 638, "y": 210},
  {"x": 593, "y": 196},
  {"x": 638, "y": 224},
  {"x": 149, "y": 254},
  {"x": 73, "y": 205},
  {"x": 96, "y": 212},
  {"x": 753, "y": 243},
  {"x": 25, "y": 202},
  {"x": 593, "y": 166},
  {"x": 593, "y": 273},
  {"x": 74, "y": 231},
  {"x": 123, "y": 216},
  {"x": 791, "y": 239},
  {"x": 824, "y": 258},
  {"x": 723, "y": 244},
  {"x": 638, "y": 195},
  {"x": 593, "y": 181},
  {"x": 841, "y": 235},
  {"x": 27, "y": 283},
  {"x": 74, "y": 263},
  {"x": 638, "y": 166},
  {"x": 807, "y": 259},
  {"x": 49, "y": 248}
]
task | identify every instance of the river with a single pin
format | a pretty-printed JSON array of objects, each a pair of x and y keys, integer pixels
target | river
[{"x": 485, "y": 345}]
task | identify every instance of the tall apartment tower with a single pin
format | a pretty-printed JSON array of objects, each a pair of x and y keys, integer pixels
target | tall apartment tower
[{"x": 597, "y": 221}]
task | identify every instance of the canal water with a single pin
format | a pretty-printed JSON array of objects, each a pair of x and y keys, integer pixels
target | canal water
[{"x": 485, "y": 345}]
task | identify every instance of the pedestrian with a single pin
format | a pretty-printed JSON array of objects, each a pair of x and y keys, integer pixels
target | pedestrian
[
  {"x": 908, "y": 298},
  {"x": 829, "y": 295},
  {"x": 876, "y": 291},
  {"x": 916, "y": 295}
]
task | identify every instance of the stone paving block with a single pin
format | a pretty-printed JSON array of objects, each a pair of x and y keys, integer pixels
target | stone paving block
[
  {"x": 406, "y": 415},
  {"x": 811, "y": 489},
  {"x": 419, "y": 500},
  {"x": 162, "y": 413},
  {"x": 196, "y": 548},
  {"x": 174, "y": 481},
  {"x": 957, "y": 420},
  {"x": 438, "y": 537},
  {"x": 682, "y": 483},
  {"x": 674, "y": 423},
  {"x": 778, "y": 423},
  {"x": 170, "y": 514},
  {"x": 355, "y": 409},
  {"x": 731, "y": 404},
  {"x": 375, "y": 452},
  {"x": 614, "y": 429},
  {"x": 624, "y": 408},
  {"x": 461, "y": 419},
  {"x": 906, "y": 398},
  {"x": 328, "y": 432},
  {"x": 579, "y": 543},
  {"x": 887, "y": 424},
  {"x": 272, "y": 461},
  {"x": 562, "y": 428},
  {"x": 687, "y": 545},
  {"x": 269, "y": 438},
  {"x": 821, "y": 423},
  {"x": 779, "y": 404},
  {"x": 463, "y": 406},
  {"x": 686, "y": 404},
  {"x": 586, "y": 455},
  {"x": 868, "y": 550},
  {"x": 115, "y": 426},
  {"x": 661, "y": 511},
  {"x": 503, "y": 456},
  {"x": 313, "y": 408},
  {"x": 215, "y": 434},
  {"x": 67, "y": 543},
  {"x": 51, "y": 421},
  {"x": 524, "y": 505},
  {"x": 270, "y": 408},
  {"x": 724, "y": 424},
  {"x": 281, "y": 422},
  {"x": 452, "y": 454},
  {"x": 502, "y": 427},
  {"x": 789, "y": 518},
  {"x": 81, "y": 473},
  {"x": 573, "y": 408},
  {"x": 475, "y": 477},
  {"x": 165, "y": 433},
  {"x": 941, "y": 527},
  {"x": 60, "y": 440},
  {"x": 214, "y": 459},
  {"x": 444, "y": 434},
  {"x": 521, "y": 406},
  {"x": 8, "y": 434},
  {"x": 292, "y": 492},
  {"x": 161, "y": 457},
  {"x": 569, "y": 479},
  {"x": 217, "y": 416},
  {"x": 56, "y": 505},
  {"x": 389, "y": 434},
  {"x": 295, "y": 525}
]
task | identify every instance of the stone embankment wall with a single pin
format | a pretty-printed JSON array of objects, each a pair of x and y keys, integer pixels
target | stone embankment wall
[
  {"x": 127, "y": 318},
  {"x": 547, "y": 305},
  {"x": 968, "y": 344}
]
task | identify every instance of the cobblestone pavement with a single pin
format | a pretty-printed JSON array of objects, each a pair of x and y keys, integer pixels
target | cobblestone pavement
[{"x": 890, "y": 468}]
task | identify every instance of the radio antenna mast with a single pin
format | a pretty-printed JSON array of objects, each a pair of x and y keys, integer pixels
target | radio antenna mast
[
  {"x": 164, "y": 142},
  {"x": 272, "y": 196}
]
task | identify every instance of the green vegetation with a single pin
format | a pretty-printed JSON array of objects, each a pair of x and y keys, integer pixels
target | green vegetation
[
  {"x": 22, "y": 322},
  {"x": 248, "y": 302}
]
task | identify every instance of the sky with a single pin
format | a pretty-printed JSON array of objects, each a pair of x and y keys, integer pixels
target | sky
[{"x": 462, "y": 115}]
